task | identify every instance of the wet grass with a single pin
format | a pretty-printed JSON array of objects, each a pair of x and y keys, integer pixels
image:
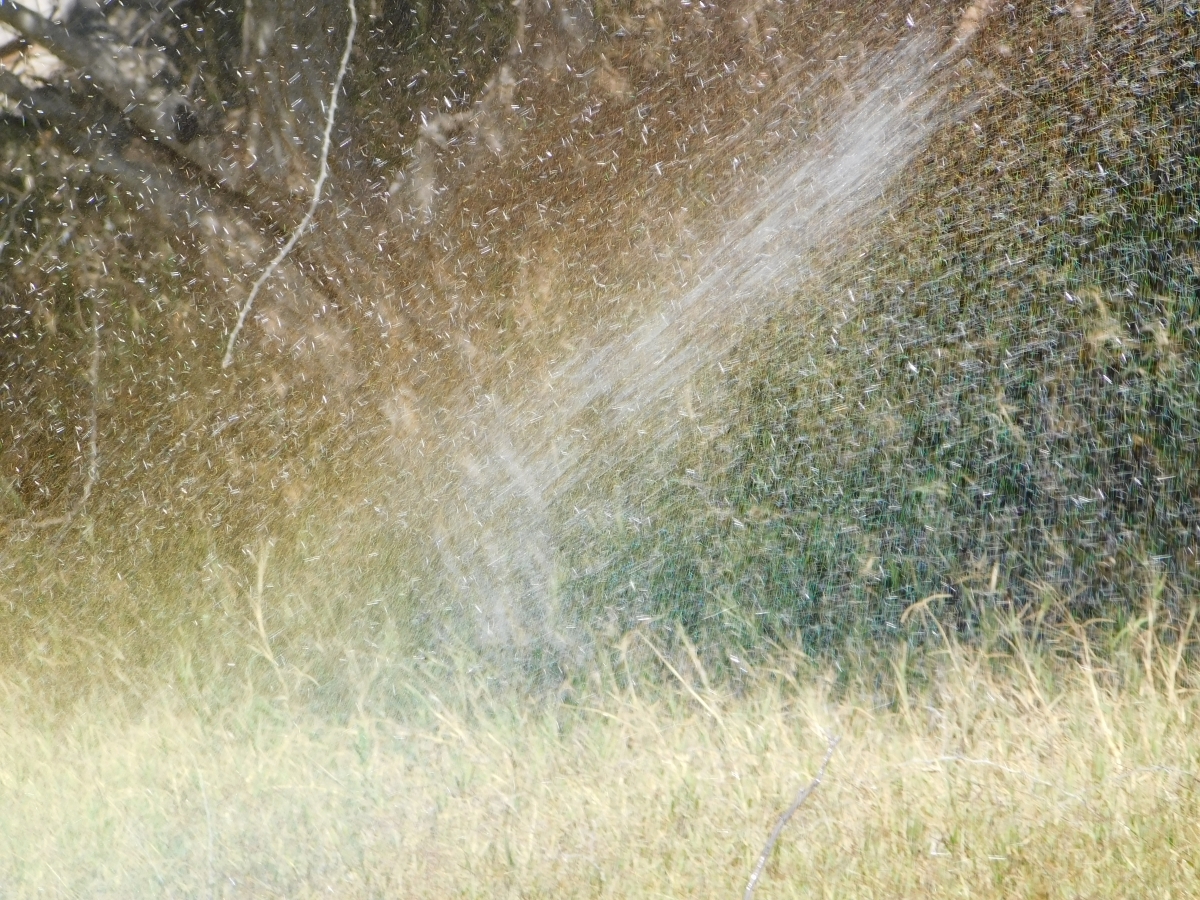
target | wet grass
[
  {"x": 1021, "y": 766},
  {"x": 982, "y": 407}
]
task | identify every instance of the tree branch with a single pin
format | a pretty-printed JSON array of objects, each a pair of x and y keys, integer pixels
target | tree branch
[
  {"x": 191, "y": 208},
  {"x": 169, "y": 118},
  {"x": 82, "y": 128},
  {"x": 316, "y": 197}
]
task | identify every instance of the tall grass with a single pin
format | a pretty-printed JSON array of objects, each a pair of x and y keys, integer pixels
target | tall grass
[
  {"x": 989, "y": 403},
  {"x": 1030, "y": 765}
]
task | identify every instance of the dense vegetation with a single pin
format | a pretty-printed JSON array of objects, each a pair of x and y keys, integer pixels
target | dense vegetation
[
  {"x": 1008, "y": 409},
  {"x": 982, "y": 393},
  {"x": 664, "y": 392}
]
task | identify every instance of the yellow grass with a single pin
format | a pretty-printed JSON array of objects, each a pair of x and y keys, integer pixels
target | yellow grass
[{"x": 1015, "y": 772}]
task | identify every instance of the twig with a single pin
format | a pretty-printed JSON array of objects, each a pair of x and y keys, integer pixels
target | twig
[
  {"x": 316, "y": 197},
  {"x": 783, "y": 820},
  {"x": 93, "y": 472}
]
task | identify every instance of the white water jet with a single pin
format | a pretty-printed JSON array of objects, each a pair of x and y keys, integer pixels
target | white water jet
[{"x": 514, "y": 455}]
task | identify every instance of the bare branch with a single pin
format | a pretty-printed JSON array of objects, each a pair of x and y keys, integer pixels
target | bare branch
[
  {"x": 51, "y": 35},
  {"x": 316, "y": 197},
  {"x": 197, "y": 210},
  {"x": 82, "y": 126}
]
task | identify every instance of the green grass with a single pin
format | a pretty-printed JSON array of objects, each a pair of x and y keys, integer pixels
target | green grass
[{"x": 1013, "y": 385}]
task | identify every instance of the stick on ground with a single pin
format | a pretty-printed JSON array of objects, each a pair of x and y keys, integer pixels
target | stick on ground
[{"x": 783, "y": 820}]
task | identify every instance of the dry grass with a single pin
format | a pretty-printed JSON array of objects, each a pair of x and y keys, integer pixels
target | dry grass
[{"x": 1015, "y": 771}]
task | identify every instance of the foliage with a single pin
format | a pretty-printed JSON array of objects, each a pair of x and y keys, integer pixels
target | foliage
[
  {"x": 1008, "y": 402},
  {"x": 982, "y": 391}
]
